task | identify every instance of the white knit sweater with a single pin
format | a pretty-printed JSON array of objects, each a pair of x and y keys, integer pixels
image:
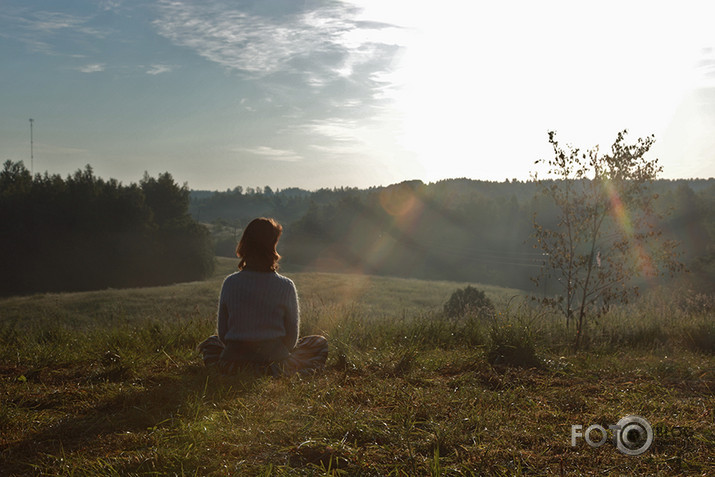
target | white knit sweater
[{"x": 257, "y": 306}]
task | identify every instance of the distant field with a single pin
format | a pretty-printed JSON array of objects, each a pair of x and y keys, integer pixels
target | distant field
[
  {"x": 382, "y": 296},
  {"x": 108, "y": 383}
]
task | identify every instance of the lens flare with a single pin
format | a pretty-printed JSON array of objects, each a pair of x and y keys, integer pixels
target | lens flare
[
  {"x": 643, "y": 259},
  {"x": 370, "y": 239},
  {"x": 618, "y": 210}
]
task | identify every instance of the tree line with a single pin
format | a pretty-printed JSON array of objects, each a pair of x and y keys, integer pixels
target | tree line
[
  {"x": 82, "y": 232},
  {"x": 455, "y": 229}
]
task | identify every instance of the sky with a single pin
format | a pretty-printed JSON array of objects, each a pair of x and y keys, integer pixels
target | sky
[{"x": 355, "y": 93}]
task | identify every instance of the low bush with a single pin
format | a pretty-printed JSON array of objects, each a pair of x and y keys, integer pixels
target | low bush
[{"x": 469, "y": 301}]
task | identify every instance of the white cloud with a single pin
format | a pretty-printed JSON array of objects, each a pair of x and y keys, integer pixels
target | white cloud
[
  {"x": 50, "y": 23},
  {"x": 325, "y": 41},
  {"x": 348, "y": 137},
  {"x": 42, "y": 31},
  {"x": 335, "y": 150},
  {"x": 704, "y": 74},
  {"x": 324, "y": 66},
  {"x": 272, "y": 153},
  {"x": 110, "y": 5},
  {"x": 336, "y": 129},
  {"x": 92, "y": 68},
  {"x": 158, "y": 69}
]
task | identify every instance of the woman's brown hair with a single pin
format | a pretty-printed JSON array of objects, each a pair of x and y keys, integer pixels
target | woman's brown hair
[{"x": 257, "y": 247}]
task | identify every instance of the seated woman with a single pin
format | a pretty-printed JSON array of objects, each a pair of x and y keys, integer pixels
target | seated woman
[{"x": 258, "y": 314}]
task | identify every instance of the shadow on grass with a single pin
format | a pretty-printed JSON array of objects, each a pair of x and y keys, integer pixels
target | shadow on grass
[{"x": 139, "y": 409}]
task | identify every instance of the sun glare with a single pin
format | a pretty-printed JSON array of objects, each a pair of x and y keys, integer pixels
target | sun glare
[
  {"x": 477, "y": 91},
  {"x": 440, "y": 101}
]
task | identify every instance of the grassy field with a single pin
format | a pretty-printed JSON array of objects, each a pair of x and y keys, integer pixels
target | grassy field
[{"x": 109, "y": 383}]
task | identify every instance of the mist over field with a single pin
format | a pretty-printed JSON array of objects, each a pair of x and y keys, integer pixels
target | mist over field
[
  {"x": 104, "y": 233},
  {"x": 458, "y": 229}
]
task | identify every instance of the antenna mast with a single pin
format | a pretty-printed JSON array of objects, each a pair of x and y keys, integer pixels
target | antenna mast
[{"x": 32, "y": 156}]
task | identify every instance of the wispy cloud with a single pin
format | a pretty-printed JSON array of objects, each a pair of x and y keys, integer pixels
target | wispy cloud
[
  {"x": 158, "y": 69},
  {"x": 272, "y": 153},
  {"x": 110, "y": 5},
  {"x": 92, "y": 68},
  {"x": 317, "y": 43},
  {"x": 334, "y": 136},
  {"x": 705, "y": 69},
  {"x": 40, "y": 30},
  {"x": 52, "y": 22},
  {"x": 337, "y": 129},
  {"x": 326, "y": 66}
]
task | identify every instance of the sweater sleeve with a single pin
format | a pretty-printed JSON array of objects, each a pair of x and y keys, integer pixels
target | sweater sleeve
[
  {"x": 291, "y": 318},
  {"x": 222, "y": 315}
]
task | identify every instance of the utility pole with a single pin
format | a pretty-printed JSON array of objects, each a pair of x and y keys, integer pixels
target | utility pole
[{"x": 32, "y": 155}]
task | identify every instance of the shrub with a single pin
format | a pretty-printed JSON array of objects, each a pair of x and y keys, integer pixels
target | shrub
[{"x": 469, "y": 300}]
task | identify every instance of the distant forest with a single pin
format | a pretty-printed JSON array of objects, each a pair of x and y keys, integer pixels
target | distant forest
[
  {"x": 84, "y": 233},
  {"x": 457, "y": 229}
]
